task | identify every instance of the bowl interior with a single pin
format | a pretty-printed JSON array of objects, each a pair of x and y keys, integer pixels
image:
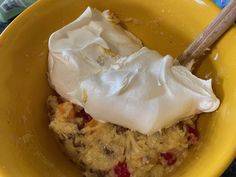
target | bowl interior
[{"x": 28, "y": 146}]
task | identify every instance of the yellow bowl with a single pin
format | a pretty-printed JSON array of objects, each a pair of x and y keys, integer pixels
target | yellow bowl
[{"x": 28, "y": 148}]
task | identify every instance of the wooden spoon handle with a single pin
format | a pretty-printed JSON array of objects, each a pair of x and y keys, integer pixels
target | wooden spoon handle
[{"x": 214, "y": 30}]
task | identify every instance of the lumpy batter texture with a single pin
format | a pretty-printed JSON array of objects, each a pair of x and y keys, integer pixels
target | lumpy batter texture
[{"x": 108, "y": 150}]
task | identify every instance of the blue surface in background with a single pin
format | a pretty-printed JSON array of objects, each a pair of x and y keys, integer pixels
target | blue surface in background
[
  {"x": 221, "y": 3},
  {"x": 231, "y": 171}
]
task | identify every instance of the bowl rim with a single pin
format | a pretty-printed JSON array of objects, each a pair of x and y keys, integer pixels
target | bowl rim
[{"x": 14, "y": 25}]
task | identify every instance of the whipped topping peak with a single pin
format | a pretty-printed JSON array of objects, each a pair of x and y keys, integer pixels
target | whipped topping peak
[{"x": 95, "y": 63}]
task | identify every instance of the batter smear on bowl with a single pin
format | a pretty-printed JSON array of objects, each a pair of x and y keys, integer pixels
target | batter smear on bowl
[{"x": 122, "y": 109}]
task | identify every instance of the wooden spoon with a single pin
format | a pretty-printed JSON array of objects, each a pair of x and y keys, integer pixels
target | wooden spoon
[{"x": 209, "y": 35}]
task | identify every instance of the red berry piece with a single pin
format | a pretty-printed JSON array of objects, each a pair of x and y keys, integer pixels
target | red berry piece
[
  {"x": 84, "y": 115},
  {"x": 168, "y": 158},
  {"x": 193, "y": 135},
  {"x": 121, "y": 170}
]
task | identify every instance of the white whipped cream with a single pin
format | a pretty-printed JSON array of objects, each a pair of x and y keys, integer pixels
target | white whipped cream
[{"x": 95, "y": 63}]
